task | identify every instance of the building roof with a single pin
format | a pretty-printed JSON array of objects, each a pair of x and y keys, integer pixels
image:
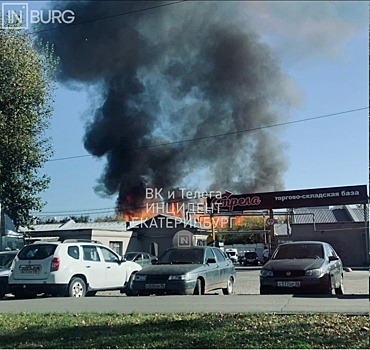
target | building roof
[
  {"x": 72, "y": 225},
  {"x": 328, "y": 215},
  {"x": 110, "y": 226}
]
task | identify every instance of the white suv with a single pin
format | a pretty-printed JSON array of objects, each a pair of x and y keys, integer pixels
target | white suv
[{"x": 72, "y": 268}]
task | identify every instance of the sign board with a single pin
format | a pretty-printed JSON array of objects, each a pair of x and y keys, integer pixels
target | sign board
[
  {"x": 270, "y": 222},
  {"x": 230, "y": 202},
  {"x": 183, "y": 238}
]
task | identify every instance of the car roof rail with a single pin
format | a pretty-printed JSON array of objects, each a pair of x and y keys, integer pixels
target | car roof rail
[{"x": 80, "y": 240}]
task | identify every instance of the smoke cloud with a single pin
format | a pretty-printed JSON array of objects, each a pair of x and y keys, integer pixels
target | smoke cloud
[{"x": 179, "y": 72}]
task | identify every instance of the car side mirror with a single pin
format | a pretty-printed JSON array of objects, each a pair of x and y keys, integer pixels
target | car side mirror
[
  {"x": 333, "y": 258},
  {"x": 154, "y": 261},
  {"x": 211, "y": 261},
  {"x": 122, "y": 260}
]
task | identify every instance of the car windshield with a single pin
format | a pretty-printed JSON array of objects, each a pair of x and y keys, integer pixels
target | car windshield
[
  {"x": 299, "y": 251},
  {"x": 182, "y": 256}
]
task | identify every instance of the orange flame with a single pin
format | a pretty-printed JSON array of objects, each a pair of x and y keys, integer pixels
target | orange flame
[{"x": 129, "y": 212}]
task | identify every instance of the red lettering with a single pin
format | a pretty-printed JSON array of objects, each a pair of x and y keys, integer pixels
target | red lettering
[{"x": 225, "y": 202}]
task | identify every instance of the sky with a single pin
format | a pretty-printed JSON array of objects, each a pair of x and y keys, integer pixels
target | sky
[{"x": 322, "y": 50}]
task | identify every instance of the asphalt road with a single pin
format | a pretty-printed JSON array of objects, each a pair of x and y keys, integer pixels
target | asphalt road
[{"x": 355, "y": 300}]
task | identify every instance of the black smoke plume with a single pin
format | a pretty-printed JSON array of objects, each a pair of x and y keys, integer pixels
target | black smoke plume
[{"x": 179, "y": 72}]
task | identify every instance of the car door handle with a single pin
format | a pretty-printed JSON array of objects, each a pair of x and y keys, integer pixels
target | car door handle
[
  {"x": 108, "y": 267},
  {"x": 88, "y": 266}
]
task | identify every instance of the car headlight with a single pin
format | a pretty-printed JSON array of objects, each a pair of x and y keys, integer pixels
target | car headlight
[
  {"x": 178, "y": 277},
  {"x": 140, "y": 278},
  {"x": 314, "y": 273},
  {"x": 266, "y": 273}
]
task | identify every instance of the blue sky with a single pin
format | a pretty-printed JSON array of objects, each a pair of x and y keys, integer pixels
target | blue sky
[{"x": 321, "y": 46}]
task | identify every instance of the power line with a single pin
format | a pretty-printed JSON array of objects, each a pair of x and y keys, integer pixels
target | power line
[
  {"x": 106, "y": 17},
  {"x": 223, "y": 134},
  {"x": 148, "y": 205}
]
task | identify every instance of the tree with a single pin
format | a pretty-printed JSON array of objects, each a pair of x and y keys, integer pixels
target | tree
[
  {"x": 249, "y": 224},
  {"x": 26, "y": 84}
]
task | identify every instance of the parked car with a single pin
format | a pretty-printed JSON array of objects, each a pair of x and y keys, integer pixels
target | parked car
[
  {"x": 249, "y": 258},
  {"x": 6, "y": 259},
  {"x": 308, "y": 266},
  {"x": 232, "y": 253},
  {"x": 72, "y": 268},
  {"x": 141, "y": 258},
  {"x": 187, "y": 270}
]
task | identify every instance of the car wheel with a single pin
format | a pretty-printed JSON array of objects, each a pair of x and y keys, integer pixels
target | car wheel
[
  {"x": 229, "y": 287},
  {"x": 198, "y": 287},
  {"x": 327, "y": 288},
  {"x": 77, "y": 288},
  {"x": 340, "y": 290},
  {"x": 2, "y": 292}
]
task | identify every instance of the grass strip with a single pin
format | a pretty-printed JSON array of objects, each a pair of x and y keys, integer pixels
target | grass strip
[{"x": 183, "y": 331}]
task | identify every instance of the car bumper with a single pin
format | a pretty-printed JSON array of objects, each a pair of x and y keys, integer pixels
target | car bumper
[
  {"x": 168, "y": 287},
  {"x": 51, "y": 288},
  {"x": 294, "y": 285},
  {"x": 250, "y": 262}
]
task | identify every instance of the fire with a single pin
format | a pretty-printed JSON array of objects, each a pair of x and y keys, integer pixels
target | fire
[
  {"x": 130, "y": 211},
  {"x": 219, "y": 221}
]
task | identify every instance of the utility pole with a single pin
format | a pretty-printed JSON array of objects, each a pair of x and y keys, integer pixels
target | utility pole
[{"x": 273, "y": 238}]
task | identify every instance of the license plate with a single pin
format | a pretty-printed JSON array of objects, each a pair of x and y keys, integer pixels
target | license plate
[
  {"x": 155, "y": 286},
  {"x": 289, "y": 284},
  {"x": 30, "y": 269},
  {"x": 30, "y": 272}
]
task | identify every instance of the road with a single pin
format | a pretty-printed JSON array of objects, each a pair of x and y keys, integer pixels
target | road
[{"x": 354, "y": 302}]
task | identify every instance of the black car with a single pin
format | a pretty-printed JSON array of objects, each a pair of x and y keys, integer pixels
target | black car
[
  {"x": 307, "y": 266},
  {"x": 186, "y": 270},
  {"x": 6, "y": 259},
  {"x": 249, "y": 258}
]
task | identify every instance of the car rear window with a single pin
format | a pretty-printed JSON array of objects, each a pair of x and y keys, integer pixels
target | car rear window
[
  {"x": 250, "y": 254},
  {"x": 36, "y": 252}
]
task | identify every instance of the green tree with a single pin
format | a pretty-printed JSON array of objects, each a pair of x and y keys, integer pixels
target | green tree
[
  {"x": 26, "y": 84},
  {"x": 249, "y": 224}
]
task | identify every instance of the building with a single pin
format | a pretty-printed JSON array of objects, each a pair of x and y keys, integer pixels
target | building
[
  {"x": 153, "y": 235},
  {"x": 344, "y": 227}
]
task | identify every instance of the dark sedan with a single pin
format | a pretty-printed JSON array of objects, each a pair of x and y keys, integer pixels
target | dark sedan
[
  {"x": 309, "y": 266},
  {"x": 187, "y": 270},
  {"x": 249, "y": 258}
]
